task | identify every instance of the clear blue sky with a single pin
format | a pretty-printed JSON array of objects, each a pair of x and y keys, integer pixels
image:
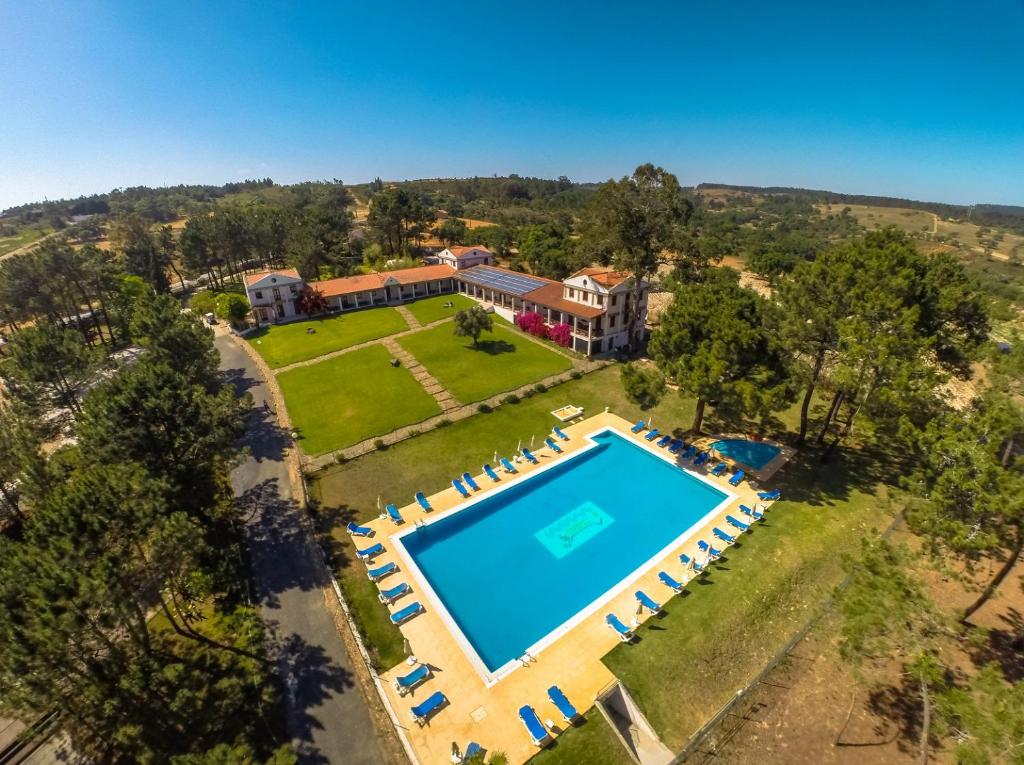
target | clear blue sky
[{"x": 916, "y": 99}]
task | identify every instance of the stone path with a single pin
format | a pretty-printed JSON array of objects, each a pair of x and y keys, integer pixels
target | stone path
[
  {"x": 411, "y": 320},
  {"x": 429, "y": 383}
]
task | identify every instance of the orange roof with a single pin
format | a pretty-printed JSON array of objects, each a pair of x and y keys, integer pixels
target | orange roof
[
  {"x": 459, "y": 251},
  {"x": 347, "y": 285},
  {"x": 550, "y": 296},
  {"x": 253, "y": 278},
  {"x": 604, "y": 276}
]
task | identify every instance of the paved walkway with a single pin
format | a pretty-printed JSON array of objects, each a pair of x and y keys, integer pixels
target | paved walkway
[
  {"x": 427, "y": 381},
  {"x": 329, "y": 718},
  {"x": 411, "y": 320}
]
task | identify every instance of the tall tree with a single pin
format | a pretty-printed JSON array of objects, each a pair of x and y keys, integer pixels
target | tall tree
[
  {"x": 452, "y": 231},
  {"x": 470, "y": 322},
  {"x": 634, "y": 222},
  {"x": 132, "y": 238},
  {"x": 397, "y": 217},
  {"x": 53, "y": 360},
  {"x": 712, "y": 341}
]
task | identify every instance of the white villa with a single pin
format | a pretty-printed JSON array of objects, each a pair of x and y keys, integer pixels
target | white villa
[
  {"x": 593, "y": 302},
  {"x": 465, "y": 257}
]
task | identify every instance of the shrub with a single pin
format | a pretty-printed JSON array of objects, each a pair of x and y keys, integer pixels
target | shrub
[
  {"x": 528, "y": 393},
  {"x": 560, "y": 334},
  {"x": 540, "y": 388},
  {"x": 379, "y": 445},
  {"x": 511, "y": 398},
  {"x": 532, "y": 322},
  {"x": 340, "y": 458},
  {"x": 483, "y": 408},
  {"x": 444, "y": 422},
  {"x": 576, "y": 374},
  {"x": 643, "y": 385}
]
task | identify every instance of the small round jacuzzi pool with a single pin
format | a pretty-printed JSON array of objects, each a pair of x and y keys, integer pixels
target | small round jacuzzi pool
[{"x": 754, "y": 454}]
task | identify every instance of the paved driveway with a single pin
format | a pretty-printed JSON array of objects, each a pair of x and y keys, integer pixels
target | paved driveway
[{"x": 328, "y": 719}]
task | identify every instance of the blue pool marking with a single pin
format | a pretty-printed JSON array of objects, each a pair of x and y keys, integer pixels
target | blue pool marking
[
  {"x": 754, "y": 454},
  {"x": 502, "y": 594},
  {"x": 576, "y": 527}
]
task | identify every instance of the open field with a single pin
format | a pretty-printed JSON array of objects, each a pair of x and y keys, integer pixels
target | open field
[
  {"x": 428, "y": 310},
  {"x": 871, "y": 217},
  {"x": 503, "y": 360},
  {"x": 25, "y": 236},
  {"x": 352, "y": 397},
  {"x": 284, "y": 344}
]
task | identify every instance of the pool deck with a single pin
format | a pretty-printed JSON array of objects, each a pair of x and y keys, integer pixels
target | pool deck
[
  {"x": 774, "y": 465},
  {"x": 487, "y": 712}
]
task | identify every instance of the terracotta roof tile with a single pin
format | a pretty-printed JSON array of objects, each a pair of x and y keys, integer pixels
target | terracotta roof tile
[
  {"x": 604, "y": 276},
  {"x": 347, "y": 285},
  {"x": 253, "y": 278},
  {"x": 550, "y": 296}
]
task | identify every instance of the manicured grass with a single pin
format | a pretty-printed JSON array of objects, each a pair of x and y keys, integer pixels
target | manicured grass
[
  {"x": 591, "y": 741},
  {"x": 501, "y": 361},
  {"x": 351, "y": 397},
  {"x": 728, "y": 624},
  {"x": 431, "y": 309},
  {"x": 284, "y": 344}
]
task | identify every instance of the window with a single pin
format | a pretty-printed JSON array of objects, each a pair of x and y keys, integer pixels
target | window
[
  {"x": 600, "y": 300},
  {"x": 615, "y": 299},
  {"x": 611, "y": 321},
  {"x": 277, "y": 294},
  {"x": 259, "y": 294},
  {"x": 572, "y": 294}
]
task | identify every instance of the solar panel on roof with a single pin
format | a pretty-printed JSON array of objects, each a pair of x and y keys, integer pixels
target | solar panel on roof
[{"x": 506, "y": 281}]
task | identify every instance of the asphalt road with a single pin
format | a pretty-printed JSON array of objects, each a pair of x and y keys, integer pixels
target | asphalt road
[{"x": 328, "y": 720}]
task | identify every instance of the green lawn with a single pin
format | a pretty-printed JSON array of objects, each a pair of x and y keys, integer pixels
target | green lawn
[
  {"x": 431, "y": 309},
  {"x": 503, "y": 360},
  {"x": 592, "y": 742},
  {"x": 283, "y": 344},
  {"x": 351, "y": 397},
  {"x": 725, "y": 628}
]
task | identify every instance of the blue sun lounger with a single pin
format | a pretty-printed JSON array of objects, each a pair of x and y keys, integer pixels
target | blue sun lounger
[
  {"x": 718, "y": 469},
  {"x": 653, "y": 434},
  {"x": 538, "y": 733},
  {"x": 727, "y": 538},
  {"x": 701, "y": 459},
  {"x": 370, "y": 552},
  {"x": 461, "y": 489},
  {"x": 638, "y": 427},
  {"x": 558, "y": 432},
  {"x": 676, "y": 445},
  {"x": 470, "y": 482},
  {"x": 394, "y": 515},
  {"x": 664, "y": 441},
  {"x": 356, "y": 530},
  {"x": 472, "y": 750},
  {"x": 669, "y": 582},
  {"x": 423, "y": 502},
  {"x": 529, "y": 456},
  {"x": 712, "y": 553},
  {"x": 736, "y": 523},
  {"x": 567, "y": 710},
  {"x": 552, "y": 445},
  {"x": 647, "y": 602},
  {"x": 625, "y": 633},
  {"x": 406, "y": 613},
  {"x": 376, "y": 574},
  {"x": 690, "y": 452},
  {"x": 689, "y": 562},
  {"x": 422, "y": 712},
  {"x": 757, "y": 515},
  {"x": 736, "y": 478},
  {"x": 509, "y": 467},
  {"x": 769, "y": 496},
  {"x": 387, "y": 597},
  {"x": 405, "y": 683},
  {"x": 490, "y": 473}
]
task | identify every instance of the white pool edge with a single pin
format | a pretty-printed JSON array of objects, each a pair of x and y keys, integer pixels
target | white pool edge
[{"x": 489, "y": 677}]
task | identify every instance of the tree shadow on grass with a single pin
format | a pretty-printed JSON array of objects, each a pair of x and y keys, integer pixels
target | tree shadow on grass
[
  {"x": 901, "y": 705},
  {"x": 1004, "y": 646},
  {"x": 493, "y": 347}
]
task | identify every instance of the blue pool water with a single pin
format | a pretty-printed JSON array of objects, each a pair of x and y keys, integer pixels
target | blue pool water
[
  {"x": 755, "y": 454},
  {"x": 515, "y": 566}
]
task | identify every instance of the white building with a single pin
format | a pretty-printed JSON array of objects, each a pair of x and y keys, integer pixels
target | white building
[
  {"x": 273, "y": 295},
  {"x": 465, "y": 257}
]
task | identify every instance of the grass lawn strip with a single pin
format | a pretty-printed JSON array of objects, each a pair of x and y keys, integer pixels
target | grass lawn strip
[
  {"x": 715, "y": 638},
  {"x": 284, "y": 344},
  {"x": 431, "y": 309},
  {"x": 502, "y": 360},
  {"x": 591, "y": 741},
  {"x": 352, "y": 397}
]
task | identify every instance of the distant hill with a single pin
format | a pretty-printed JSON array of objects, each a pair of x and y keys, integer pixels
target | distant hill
[{"x": 1005, "y": 216}]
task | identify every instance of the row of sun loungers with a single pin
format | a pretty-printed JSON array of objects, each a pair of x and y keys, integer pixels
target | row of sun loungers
[{"x": 536, "y": 729}]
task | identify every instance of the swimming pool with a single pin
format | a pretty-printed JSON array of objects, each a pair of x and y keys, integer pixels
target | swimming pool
[
  {"x": 754, "y": 454},
  {"x": 517, "y": 568}
]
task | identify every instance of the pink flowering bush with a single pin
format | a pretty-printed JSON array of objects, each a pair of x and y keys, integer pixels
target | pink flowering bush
[
  {"x": 532, "y": 322},
  {"x": 561, "y": 334}
]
